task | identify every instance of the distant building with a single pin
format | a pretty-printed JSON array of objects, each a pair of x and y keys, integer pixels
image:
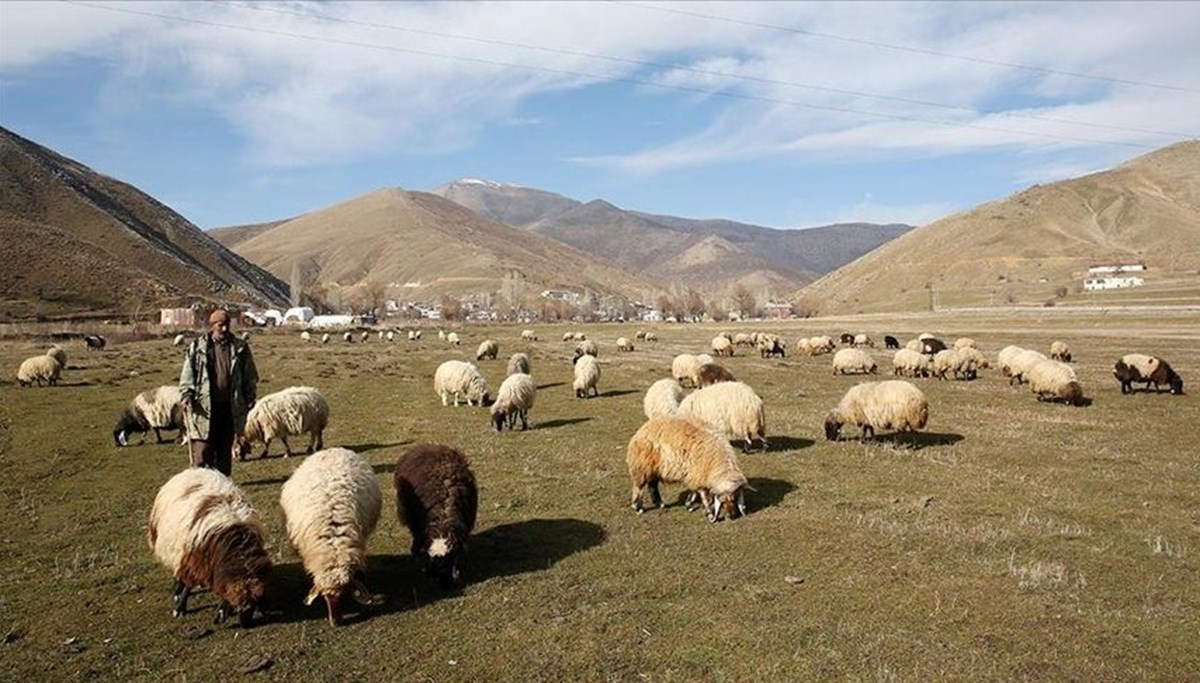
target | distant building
[
  {"x": 180, "y": 317},
  {"x": 1095, "y": 283},
  {"x": 1116, "y": 268},
  {"x": 298, "y": 315},
  {"x": 777, "y": 309},
  {"x": 652, "y": 316},
  {"x": 562, "y": 295}
]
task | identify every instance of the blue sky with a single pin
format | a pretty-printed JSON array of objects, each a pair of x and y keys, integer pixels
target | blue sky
[{"x": 779, "y": 114}]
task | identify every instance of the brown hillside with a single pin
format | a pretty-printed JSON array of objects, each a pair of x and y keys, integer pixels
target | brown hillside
[
  {"x": 75, "y": 241},
  {"x": 1028, "y": 247},
  {"x": 427, "y": 246},
  {"x": 236, "y": 234}
]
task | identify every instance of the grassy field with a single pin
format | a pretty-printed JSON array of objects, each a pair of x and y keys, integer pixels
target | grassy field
[{"x": 1015, "y": 541}]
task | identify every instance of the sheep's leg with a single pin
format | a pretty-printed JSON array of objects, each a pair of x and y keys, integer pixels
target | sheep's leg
[
  {"x": 266, "y": 447},
  {"x": 763, "y": 439},
  {"x": 690, "y": 501},
  {"x": 157, "y": 435},
  {"x": 179, "y": 598},
  {"x": 746, "y": 444},
  {"x": 443, "y": 398},
  {"x": 635, "y": 498},
  {"x": 287, "y": 449},
  {"x": 868, "y": 432},
  {"x": 655, "y": 495},
  {"x": 524, "y": 420}
]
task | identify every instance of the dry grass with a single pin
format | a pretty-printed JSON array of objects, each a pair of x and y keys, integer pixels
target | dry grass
[{"x": 1012, "y": 540}]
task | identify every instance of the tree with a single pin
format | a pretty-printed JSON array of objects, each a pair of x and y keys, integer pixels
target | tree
[
  {"x": 806, "y": 307},
  {"x": 374, "y": 296},
  {"x": 512, "y": 291},
  {"x": 691, "y": 304},
  {"x": 744, "y": 302},
  {"x": 451, "y": 307},
  {"x": 665, "y": 305}
]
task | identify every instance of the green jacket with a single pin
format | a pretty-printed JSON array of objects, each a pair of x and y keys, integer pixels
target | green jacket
[{"x": 196, "y": 388}]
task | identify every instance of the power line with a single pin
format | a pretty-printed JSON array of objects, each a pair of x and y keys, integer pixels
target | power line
[
  {"x": 907, "y": 48},
  {"x": 707, "y": 72},
  {"x": 604, "y": 78}
]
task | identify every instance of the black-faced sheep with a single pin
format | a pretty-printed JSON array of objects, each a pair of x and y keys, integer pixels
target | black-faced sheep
[
  {"x": 731, "y": 408},
  {"x": 1060, "y": 351},
  {"x": 436, "y": 498},
  {"x": 95, "y": 342},
  {"x": 853, "y": 361},
  {"x": 1053, "y": 380},
  {"x": 678, "y": 450},
  {"x": 711, "y": 373},
  {"x": 662, "y": 398},
  {"x": 39, "y": 369},
  {"x": 205, "y": 531},
  {"x": 332, "y": 504},
  {"x": 890, "y": 342},
  {"x": 488, "y": 349},
  {"x": 846, "y": 338},
  {"x": 518, "y": 363},
  {"x": 295, "y": 410},
  {"x": 156, "y": 409},
  {"x": 587, "y": 376},
  {"x": 892, "y": 404},
  {"x": 514, "y": 399},
  {"x": 931, "y": 345},
  {"x": 772, "y": 346},
  {"x": 457, "y": 378},
  {"x": 1138, "y": 367}
]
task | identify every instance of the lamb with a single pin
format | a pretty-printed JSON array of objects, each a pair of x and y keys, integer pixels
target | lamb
[
  {"x": 587, "y": 375},
  {"x": 156, "y": 409},
  {"x": 909, "y": 363},
  {"x": 331, "y": 505},
  {"x": 455, "y": 378},
  {"x": 1019, "y": 365},
  {"x": 39, "y": 369},
  {"x": 205, "y": 531},
  {"x": 1138, "y": 367},
  {"x": 863, "y": 340},
  {"x": 853, "y": 361},
  {"x": 891, "y": 404},
  {"x": 452, "y": 339},
  {"x": 487, "y": 349},
  {"x": 623, "y": 344},
  {"x": 305, "y": 336},
  {"x": 436, "y": 498},
  {"x": 676, "y": 450},
  {"x": 721, "y": 346},
  {"x": 711, "y": 373},
  {"x": 662, "y": 398},
  {"x": 1053, "y": 380},
  {"x": 294, "y": 410},
  {"x": 1060, "y": 351},
  {"x": 586, "y": 347},
  {"x": 890, "y": 342},
  {"x": 514, "y": 399},
  {"x": 59, "y": 354},
  {"x": 730, "y": 407},
  {"x": 518, "y": 363},
  {"x": 95, "y": 342}
]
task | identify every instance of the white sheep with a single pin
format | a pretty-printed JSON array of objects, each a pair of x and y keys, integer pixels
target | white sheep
[
  {"x": 964, "y": 343},
  {"x": 441, "y": 335},
  {"x": 853, "y": 361},
  {"x": 518, "y": 363},
  {"x": 305, "y": 336},
  {"x": 685, "y": 366},
  {"x": 623, "y": 344},
  {"x": 364, "y": 336},
  {"x": 39, "y": 369},
  {"x": 348, "y": 337},
  {"x": 294, "y": 410},
  {"x": 910, "y": 363},
  {"x": 676, "y": 450},
  {"x": 662, "y": 398},
  {"x": 651, "y": 337},
  {"x": 743, "y": 339},
  {"x": 1053, "y": 380},
  {"x": 1005, "y": 358},
  {"x": 487, "y": 349},
  {"x": 891, "y": 404},
  {"x": 416, "y": 335},
  {"x": 1019, "y": 365},
  {"x": 587, "y": 376},
  {"x": 579, "y": 336},
  {"x": 59, "y": 354},
  {"x": 1060, "y": 351},
  {"x": 955, "y": 363},
  {"x": 914, "y": 345},
  {"x": 452, "y": 339},
  {"x": 514, "y": 399},
  {"x": 587, "y": 347},
  {"x": 528, "y": 335},
  {"x": 412, "y": 335},
  {"x": 568, "y": 336},
  {"x": 390, "y": 336},
  {"x": 325, "y": 338},
  {"x": 731, "y": 408},
  {"x": 332, "y": 504},
  {"x": 458, "y": 378},
  {"x": 863, "y": 340},
  {"x": 721, "y": 346},
  {"x": 157, "y": 409}
]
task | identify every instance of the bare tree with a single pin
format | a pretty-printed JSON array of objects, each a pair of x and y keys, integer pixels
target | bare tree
[
  {"x": 451, "y": 307},
  {"x": 374, "y": 296},
  {"x": 744, "y": 301}
]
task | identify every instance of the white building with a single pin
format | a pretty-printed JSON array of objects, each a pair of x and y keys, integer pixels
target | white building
[
  {"x": 1116, "y": 268},
  {"x": 298, "y": 315},
  {"x": 1096, "y": 283}
]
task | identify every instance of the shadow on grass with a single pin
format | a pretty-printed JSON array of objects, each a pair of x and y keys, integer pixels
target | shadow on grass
[
  {"x": 384, "y": 468},
  {"x": 550, "y": 385},
  {"x": 368, "y": 447},
  {"x": 785, "y": 443},
  {"x": 617, "y": 392},
  {"x": 915, "y": 441},
  {"x": 561, "y": 422},
  {"x": 767, "y": 493},
  {"x": 528, "y": 546}
]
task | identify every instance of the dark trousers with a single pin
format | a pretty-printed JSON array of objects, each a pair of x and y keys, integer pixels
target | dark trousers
[{"x": 217, "y": 452}]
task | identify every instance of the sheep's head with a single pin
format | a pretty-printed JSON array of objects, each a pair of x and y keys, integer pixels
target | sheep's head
[
  {"x": 728, "y": 504},
  {"x": 442, "y": 561},
  {"x": 1072, "y": 393},
  {"x": 833, "y": 426},
  {"x": 337, "y": 594},
  {"x": 241, "y": 446},
  {"x": 240, "y": 575},
  {"x": 1176, "y": 383},
  {"x": 498, "y": 417},
  {"x": 127, "y": 423}
]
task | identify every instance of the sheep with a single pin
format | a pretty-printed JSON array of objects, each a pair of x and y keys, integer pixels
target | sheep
[
  {"x": 685, "y": 365},
  {"x": 891, "y": 404},
  {"x": 909, "y": 363},
  {"x": 579, "y": 336},
  {"x": 771, "y": 346},
  {"x": 455, "y": 378},
  {"x": 412, "y": 335},
  {"x": 975, "y": 356},
  {"x": 348, "y": 337},
  {"x": 711, "y": 373},
  {"x": 818, "y": 346},
  {"x": 514, "y": 399},
  {"x": 730, "y": 407},
  {"x": 676, "y": 450},
  {"x": 380, "y": 335},
  {"x": 366, "y": 335},
  {"x": 651, "y": 337},
  {"x": 1138, "y": 367},
  {"x": 436, "y": 498},
  {"x": 925, "y": 335},
  {"x": 331, "y": 505},
  {"x": 853, "y": 361},
  {"x": 587, "y": 375},
  {"x": 518, "y": 363},
  {"x": 931, "y": 345},
  {"x": 959, "y": 365},
  {"x": 743, "y": 339},
  {"x": 204, "y": 530},
  {"x": 38, "y": 369},
  {"x": 452, "y": 339},
  {"x": 305, "y": 336},
  {"x": 528, "y": 335},
  {"x": 914, "y": 345},
  {"x": 325, "y": 338},
  {"x": 964, "y": 343},
  {"x": 1060, "y": 351},
  {"x": 1053, "y": 380},
  {"x": 623, "y": 344},
  {"x": 890, "y": 342},
  {"x": 1020, "y": 364},
  {"x": 441, "y": 335},
  {"x": 721, "y": 346},
  {"x": 59, "y": 354},
  {"x": 586, "y": 347},
  {"x": 863, "y": 340},
  {"x": 156, "y": 409},
  {"x": 1005, "y": 358},
  {"x": 726, "y": 335},
  {"x": 640, "y": 335},
  {"x": 846, "y": 338},
  {"x": 95, "y": 342},
  {"x": 568, "y": 336},
  {"x": 294, "y": 410},
  {"x": 487, "y": 349},
  {"x": 416, "y": 336},
  {"x": 390, "y": 336},
  {"x": 662, "y": 398}
]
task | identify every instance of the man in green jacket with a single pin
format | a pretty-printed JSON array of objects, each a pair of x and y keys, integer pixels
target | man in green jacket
[{"x": 219, "y": 384}]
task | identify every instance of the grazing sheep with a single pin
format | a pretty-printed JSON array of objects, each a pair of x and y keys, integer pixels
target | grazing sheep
[
  {"x": 863, "y": 340},
  {"x": 528, "y": 335},
  {"x": 205, "y": 531},
  {"x": 1052, "y": 380},
  {"x": 348, "y": 337},
  {"x": 416, "y": 335},
  {"x": 711, "y": 373},
  {"x": 1060, "y": 351},
  {"x": 331, "y": 504},
  {"x": 846, "y": 338},
  {"x": 441, "y": 335},
  {"x": 95, "y": 342},
  {"x": 640, "y": 335},
  {"x": 295, "y": 410},
  {"x": 579, "y": 336},
  {"x": 586, "y": 347},
  {"x": 684, "y": 367},
  {"x": 1138, "y": 367},
  {"x": 853, "y": 361},
  {"x": 325, "y": 338},
  {"x": 957, "y": 364},
  {"x": 892, "y": 404},
  {"x": 568, "y": 336},
  {"x": 587, "y": 376},
  {"x": 623, "y": 344},
  {"x": 914, "y": 345},
  {"x": 59, "y": 354},
  {"x": 364, "y": 336},
  {"x": 975, "y": 356},
  {"x": 662, "y": 398},
  {"x": 727, "y": 335},
  {"x": 518, "y": 363},
  {"x": 379, "y": 335},
  {"x": 1005, "y": 358},
  {"x": 931, "y": 345},
  {"x": 964, "y": 343},
  {"x": 743, "y": 339},
  {"x": 179, "y": 339},
  {"x": 1020, "y": 364},
  {"x": 514, "y": 398},
  {"x": 909, "y": 363},
  {"x": 770, "y": 346},
  {"x": 390, "y": 336},
  {"x": 452, "y": 339},
  {"x": 487, "y": 349},
  {"x": 721, "y": 346},
  {"x": 455, "y": 378},
  {"x": 890, "y": 342},
  {"x": 156, "y": 409},
  {"x": 436, "y": 498},
  {"x": 305, "y": 336},
  {"x": 39, "y": 369},
  {"x": 675, "y": 450},
  {"x": 651, "y": 337},
  {"x": 412, "y": 335},
  {"x": 731, "y": 408}
]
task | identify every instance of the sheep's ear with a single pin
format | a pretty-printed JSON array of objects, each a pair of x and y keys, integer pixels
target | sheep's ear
[
  {"x": 749, "y": 488},
  {"x": 312, "y": 596}
]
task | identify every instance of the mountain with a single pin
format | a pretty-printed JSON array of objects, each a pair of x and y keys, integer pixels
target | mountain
[
  {"x": 74, "y": 241},
  {"x": 236, "y": 234},
  {"x": 428, "y": 246},
  {"x": 709, "y": 255},
  {"x": 1036, "y": 245}
]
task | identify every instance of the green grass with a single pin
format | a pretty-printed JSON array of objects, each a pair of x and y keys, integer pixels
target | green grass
[{"x": 1019, "y": 540}]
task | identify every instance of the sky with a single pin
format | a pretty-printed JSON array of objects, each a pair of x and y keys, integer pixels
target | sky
[{"x": 781, "y": 114}]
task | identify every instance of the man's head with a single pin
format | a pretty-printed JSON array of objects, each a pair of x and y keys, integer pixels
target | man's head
[{"x": 218, "y": 323}]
